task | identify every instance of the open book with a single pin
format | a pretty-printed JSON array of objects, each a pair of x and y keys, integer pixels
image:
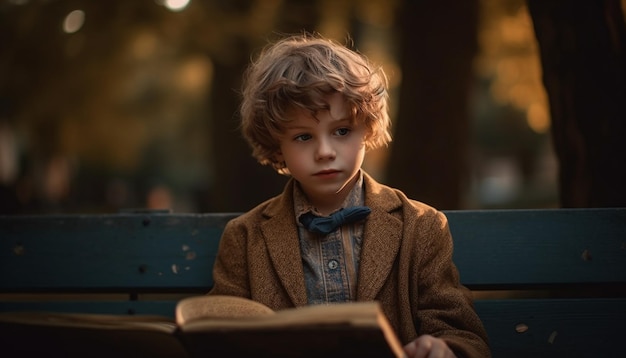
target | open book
[{"x": 207, "y": 326}]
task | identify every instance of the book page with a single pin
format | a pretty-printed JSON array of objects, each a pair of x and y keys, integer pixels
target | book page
[
  {"x": 218, "y": 307},
  {"x": 354, "y": 314}
]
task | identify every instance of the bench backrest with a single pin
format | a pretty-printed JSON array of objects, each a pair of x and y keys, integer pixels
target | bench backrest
[{"x": 545, "y": 280}]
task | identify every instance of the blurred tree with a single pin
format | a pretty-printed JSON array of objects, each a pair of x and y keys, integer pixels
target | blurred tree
[
  {"x": 583, "y": 56},
  {"x": 429, "y": 155},
  {"x": 239, "y": 182}
]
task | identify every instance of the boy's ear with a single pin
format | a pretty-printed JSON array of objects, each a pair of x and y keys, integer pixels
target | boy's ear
[{"x": 278, "y": 157}]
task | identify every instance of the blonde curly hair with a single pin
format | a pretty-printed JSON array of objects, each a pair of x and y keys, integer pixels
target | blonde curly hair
[{"x": 299, "y": 72}]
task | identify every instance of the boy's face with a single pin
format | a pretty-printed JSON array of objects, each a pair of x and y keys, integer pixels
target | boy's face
[{"x": 324, "y": 153}]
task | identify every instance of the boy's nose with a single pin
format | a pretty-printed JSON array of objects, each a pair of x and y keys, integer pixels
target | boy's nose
[{"x": 325, "y": 150}]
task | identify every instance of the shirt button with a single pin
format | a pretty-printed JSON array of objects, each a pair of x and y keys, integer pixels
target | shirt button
[{"x": 333, "y": 264}]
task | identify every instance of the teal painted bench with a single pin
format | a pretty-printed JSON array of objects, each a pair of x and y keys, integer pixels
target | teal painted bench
[{"x": 548, "y": 283}]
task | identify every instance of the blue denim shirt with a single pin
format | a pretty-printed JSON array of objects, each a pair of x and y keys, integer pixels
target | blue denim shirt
[{"x": 330, "y": 262}]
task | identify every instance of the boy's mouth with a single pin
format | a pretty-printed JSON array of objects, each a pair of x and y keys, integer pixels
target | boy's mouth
[{"x": 326, "y": 172}]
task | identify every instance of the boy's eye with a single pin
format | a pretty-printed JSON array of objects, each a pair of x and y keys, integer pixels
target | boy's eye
[
  {"x": 342, "y": 131},
  {"x": 302, "y": 137}
]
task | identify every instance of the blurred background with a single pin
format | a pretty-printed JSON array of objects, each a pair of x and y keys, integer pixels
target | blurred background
[{"x": 116, "y": 105}]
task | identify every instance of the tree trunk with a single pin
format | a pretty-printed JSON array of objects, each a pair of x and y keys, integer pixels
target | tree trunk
[
  {"x": 240, "y": 182},
  {"x": 582, "y": 47},
  {"x": 429, "y": 155}
]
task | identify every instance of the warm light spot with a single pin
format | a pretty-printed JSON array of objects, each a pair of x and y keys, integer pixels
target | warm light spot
[
  {"x": 520, "y": 95},
  {"x": 9, "y": 154},
  {"x": 74, "y": 21},
  {"x": 56, "y": 180},
  {"x": 194, "y": 75},
  {"x": 144, "y": 45},
  {"x": 176, "y": 5},
  {"x": 516, "y": 29},
  {"x": 508, "y": 71},
  {"x": 538, "y": 118},
  {"x": 159, "y": 197}
]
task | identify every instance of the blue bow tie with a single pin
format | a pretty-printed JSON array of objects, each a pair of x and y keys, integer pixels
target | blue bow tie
[{"x": 325, "y": 225}]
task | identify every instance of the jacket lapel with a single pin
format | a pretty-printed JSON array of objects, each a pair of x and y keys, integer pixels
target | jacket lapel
[
  {"x": 281, "y": 237},
  {"x": 382, "y": 239}
]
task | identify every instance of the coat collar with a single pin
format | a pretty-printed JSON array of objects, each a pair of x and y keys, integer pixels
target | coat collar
[{"x": 382, "y": 234}]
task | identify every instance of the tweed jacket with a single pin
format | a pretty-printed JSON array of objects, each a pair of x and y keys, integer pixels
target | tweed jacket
[{"x": 406, "y": 265}]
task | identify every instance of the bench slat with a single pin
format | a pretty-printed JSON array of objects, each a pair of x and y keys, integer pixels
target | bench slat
[
  {"x": 109, "y": 252},
  {"x": 555, "y": 327},
  {"x": 116, "y": 252},
  {"x": 509, "y": 248}
]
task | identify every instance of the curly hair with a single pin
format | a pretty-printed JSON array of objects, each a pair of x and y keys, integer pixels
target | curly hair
[{"x": 299, "y": 72}]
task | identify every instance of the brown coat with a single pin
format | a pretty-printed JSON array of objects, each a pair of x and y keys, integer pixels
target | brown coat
[{"x": 405, "y": 264}]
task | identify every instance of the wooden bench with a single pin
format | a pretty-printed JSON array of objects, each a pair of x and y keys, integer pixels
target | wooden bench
[{"x": 547, "y": 282}]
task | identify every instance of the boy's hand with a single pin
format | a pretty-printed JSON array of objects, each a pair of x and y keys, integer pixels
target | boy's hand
[{"x": 428, "y": 347}]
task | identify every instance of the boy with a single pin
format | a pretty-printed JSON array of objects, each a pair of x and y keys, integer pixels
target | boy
[{"x": 311, "y": 108}]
